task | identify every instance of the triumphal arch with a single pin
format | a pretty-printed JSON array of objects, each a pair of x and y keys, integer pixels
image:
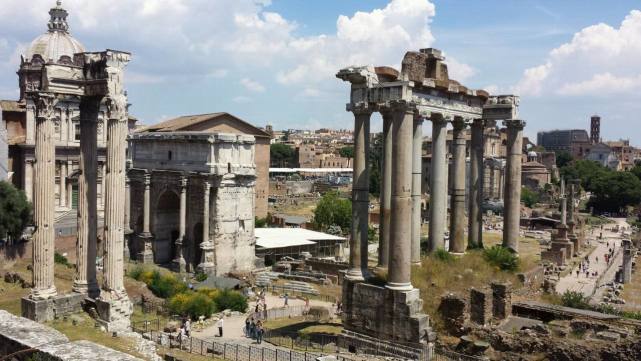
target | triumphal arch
[
  {"x": 94, "y": 83},
  {"x": 421, "y": 91}
]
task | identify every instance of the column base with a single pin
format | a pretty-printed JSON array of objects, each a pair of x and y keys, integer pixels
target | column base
[
  {"x": 457, "y": 254},
  {"x": 179, "y": 265},
  {"x": 207, "y": 268},
  {"x": 355, "y": 275},
  {"x": 51, "y": 308},
  {"x": 43, "y": 294},
  {"x": 145, "y": 250},
  {"x": 114, "y": 312},
  {"x": 399, "y": 286},
  {"x": 90, "y": 289}
]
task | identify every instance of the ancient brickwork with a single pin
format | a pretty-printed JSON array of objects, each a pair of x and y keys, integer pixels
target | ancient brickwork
[
  {"x": 501, "y": 300},
  {"x": 481, "y": 306}
]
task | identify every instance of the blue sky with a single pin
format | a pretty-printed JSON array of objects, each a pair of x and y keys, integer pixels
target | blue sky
[{"x": 274, "y": 61}]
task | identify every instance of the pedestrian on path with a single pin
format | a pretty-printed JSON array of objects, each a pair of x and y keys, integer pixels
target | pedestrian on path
[
  {"x": 219, "y": 324},
  {"x": 286, "y": 300},
  {"x": 259, "y": 332}
]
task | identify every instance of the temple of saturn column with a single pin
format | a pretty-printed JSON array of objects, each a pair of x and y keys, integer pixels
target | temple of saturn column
[
  {"x": 93, "y": 81},
  {"x": 421, "y": 91}
]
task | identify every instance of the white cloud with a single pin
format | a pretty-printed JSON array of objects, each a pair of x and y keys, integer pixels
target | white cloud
[
  {"x": 218, "y": 73},
  {"x": 599, "y": 60},
  {"x": 252, "y": 85},
  {"x": 241, "y": 99},
  {"x": 143, "y": 78}
]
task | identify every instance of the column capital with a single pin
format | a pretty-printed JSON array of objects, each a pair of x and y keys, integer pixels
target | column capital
[
  {"x": 45, "y": 103},
  {"x": 514, "y": 123},
  {"x": 459, "y": 123},
  {"x": 402, "y": 106},
  {"x": 206, "y": 186},
  {"x": 438, "y": 118},
  {"x": 116, "y": 107},
  {"x": 361, "y": 108},
  {"x": 147, "y": 179},
  {"x": 183, "y": 183}
]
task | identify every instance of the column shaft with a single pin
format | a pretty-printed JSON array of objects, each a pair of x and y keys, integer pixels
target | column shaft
[
  {"x": 386, "y": 192},
  {"x": 400, "y": 236},
  {"x": 44, "y": 200},
  {"x": 207, "y": 257},
  {"x": 103, "y": 185},
  {"x": 114, "y": 200},
  {"x": 86, "y": 245},
  {"x": 417, "y": 152},
  {"x": 28, "y": 180},
  {"x": 146, "y": 204},
  {"x": 512, "y": 194},
  {"x": 127, "y": 222},
  {"x": 360, "y": 196},
  {"x": 179, "y": 262},
  {"x": 438, "y": 184},
  {"x": 475, "y": 212},
  {"x": 457, "y": 198},
  {"x": 563, "y": 200}
]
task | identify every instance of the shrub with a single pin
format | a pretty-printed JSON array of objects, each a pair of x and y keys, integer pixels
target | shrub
[
  {"x": 209, "y": 292},
  {"x": 136, "y": 272},
  {"x": 575, "y": 300},
  {"x": 60, "y": 259},
  {"x": 501, "y": 257},
  {"x": 443, "y": 255},
  {"x": 230, "y": 300},
  {"x": 200, "y": 277},
  {"x": 192, "y": 304},
  {"x": 165, "y": 286}
]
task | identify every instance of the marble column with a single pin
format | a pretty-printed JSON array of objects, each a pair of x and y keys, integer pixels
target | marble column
[
  {"x": 103, "y": 185},
  {"x": 126, "y": 221},
  {"x": 457, "y": 194},
  {"x": 399, "y": 270},
  {"x": 563, "y": 200},
  {"x": 86, "y": 244},
  {"x": 113, "y": 280},
  {"x": 179, "y": 263},
  {"x": 438, "y": 183},
  {"x": 44, "y": 199},
  {"x": 207, "y": 259},
  {"x": 358, "y": 255},
  {"x": 62, "y": 189},
  {"x": 146, "y": 254},
  {"x": 512, "y": 180},
  {"x": 386, "y": 191},
  {"x": 571, "y": 207},
  {"x": 417, "y": 153},
  {"x": 475, "y": 211}
]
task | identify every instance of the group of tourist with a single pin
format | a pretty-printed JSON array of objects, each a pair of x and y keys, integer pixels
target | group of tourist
[
  {"x": 584, "y": 268},
  {"x": 185, "y": 328},
  {"x": 254, "y": 329}
]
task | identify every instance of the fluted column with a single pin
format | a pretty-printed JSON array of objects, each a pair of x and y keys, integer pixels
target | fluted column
[
  {"x": 360, "y": 195},
  {"x": 207, "y": 246},
  {"x": 114, "y": 200},
  {"x": 475, "y": 213},
  {"x": 457, "y": 198},
  {"x": 44, "y": 199},
  {"x": 146, "y": 214},
  {"x": 179, "y": 262},
  {"x": 146, "y": 253},
  {"x": 438, "y": 183},
  {"x": 386, "y": 191},
  {"x": 512, "y": 180},
  {"x": 28, "y": 181},
  {"x": 400, "y": 237},
  {"x": 62, "y": 188},
  {"x": 417, "y": 152},
  {"x": 86, "y": 244},
  {"x": 103, "y": 185}
]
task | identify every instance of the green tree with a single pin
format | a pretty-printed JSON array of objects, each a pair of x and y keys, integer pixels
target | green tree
[
  {"x": 614, "y": 191},
  {"x": 636, "y": 170},
  {"x": 563, "y": 158},
  {"x": 15, "y": 211},
  {"x": 331, "y": 210},
  {"x": 529, "y": 197},
  {"x": 375, "y": 164},
  {"x": 282, "y": 155},
  {"x": 346, "y": 152}
]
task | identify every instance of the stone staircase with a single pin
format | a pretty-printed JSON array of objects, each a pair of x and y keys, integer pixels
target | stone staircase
[
  {"x": 115, "y": 314},
  {"x": 265, "y": 279}
]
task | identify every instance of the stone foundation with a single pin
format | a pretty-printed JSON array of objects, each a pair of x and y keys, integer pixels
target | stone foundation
[
  {"x": 143, "y": 242},
  {"x": 384, "y": 314},
  {"x": 453, "y": 311},
  {"x": 49, "y": 309},
  {"x": 114, "y": 314},
  {"x": 480, "y": 306},
  {"x": 554, "y": 256},
  {"x": 20, "y": 334},
  {"x": 576, "y": 244},
  {"x": 501, "y": 300}
]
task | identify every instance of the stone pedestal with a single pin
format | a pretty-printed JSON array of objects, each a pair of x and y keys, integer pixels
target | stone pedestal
[
  {"x": 628, "y": 255},
  {"x": 481, "y": 306},
  {"x": 144, "y": 246},
  {"x": 114, "y": 313},
  {"x": 52, "y": 308}
]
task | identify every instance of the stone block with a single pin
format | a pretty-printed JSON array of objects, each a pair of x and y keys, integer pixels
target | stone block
[
  {"x": 501, "y": 300},
  {"x": 480, "y": 306},
  {"x": 37, "y": 310},
  {"x": 453, "y": 311},
  {"x": 556, "y": 257}
]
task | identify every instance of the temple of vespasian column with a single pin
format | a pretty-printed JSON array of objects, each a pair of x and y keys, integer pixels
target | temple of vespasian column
[
  {"x": 421, "y": 91},
  {"x": 94, "y": 82}
]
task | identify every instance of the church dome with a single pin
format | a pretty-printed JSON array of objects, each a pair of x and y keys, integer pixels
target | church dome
[{"x": 56, "y": 45}]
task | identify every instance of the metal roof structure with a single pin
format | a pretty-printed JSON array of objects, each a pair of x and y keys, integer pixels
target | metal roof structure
[
  {"x": 310, "y": 170},
  {"x": 290, "y": 237}
]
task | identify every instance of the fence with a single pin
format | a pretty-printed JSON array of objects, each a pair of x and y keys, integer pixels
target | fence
[
  {"x": 284, "y": 312},
  {"x": 323, "y": 343}
]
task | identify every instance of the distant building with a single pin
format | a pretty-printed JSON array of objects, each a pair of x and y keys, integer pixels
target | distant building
[
  {"x": 595, "y": 129},
  {"x": 624, "y": 152},
  {"x": 573, "y": 141},
  {"x": 603, "y": 154},
  {"x": 274, "y": 243},
  {"x": 534, "y": 174},
  {"x": 227, "y": 123}
]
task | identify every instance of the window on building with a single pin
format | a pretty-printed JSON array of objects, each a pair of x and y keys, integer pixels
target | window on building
[
  {"x": 76, "y": 131},
  {"x": 169, "y": 155}
]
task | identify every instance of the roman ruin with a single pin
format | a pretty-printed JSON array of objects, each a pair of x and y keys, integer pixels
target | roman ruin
[
  {"x": 92, "y": 82},
  {"x": 422, "y": 90},
  {"x": 215, "y": 174}
]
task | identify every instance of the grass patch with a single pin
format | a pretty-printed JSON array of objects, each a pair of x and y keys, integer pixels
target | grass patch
[
  {"x": 60, "y": 259},
  {"x": 303, "y": 327},
  {"x": 501, "y": 257},
  {"x": 443, "y": 255},
  {"x": 575, "y": 300}
]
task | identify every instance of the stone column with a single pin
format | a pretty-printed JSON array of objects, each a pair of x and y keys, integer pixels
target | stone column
[
  {"x": 179, "y": 263},
  {"x": 114, "y": 201},
  {"x": 62, "y": 190},
  {"x": 457, "y": 194},
  {"x": 28, "y": 179},
  {"x": 512, "y": 193},
  {"x": 400, "y": 236},
  {"x": 207, "y": 264},
  {"x": 146, "y": 254},
  {"x": 417, "y": 152},
  {"x": 438, "y": 183},
  {"x": 103, "y": 185},
  {"x": 475, "y": 211},
  {"x": 86, "y": 245},
  {"x": 69, "y": 192},
  {"x": 563, "y": 200},
  {"x": 360, "y": 195},
  {"x": 126, "y": 220},
  {"x": 628, "y": 257},
  {"x": 386, "y": 191},
  {"x": 44, "y": 199},
  {"x": 571, "y": 208}
]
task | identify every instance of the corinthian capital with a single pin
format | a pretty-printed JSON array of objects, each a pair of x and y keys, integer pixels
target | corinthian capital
[
  {"x": 514, "y": 123},
  {"x": 45, "y": 103},
  {"x": 116, "y": 107}
]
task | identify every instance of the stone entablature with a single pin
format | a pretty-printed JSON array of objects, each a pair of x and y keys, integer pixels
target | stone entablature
[
  {"x": 212, "y": 230},
  {"x": 216, "y": 154}
]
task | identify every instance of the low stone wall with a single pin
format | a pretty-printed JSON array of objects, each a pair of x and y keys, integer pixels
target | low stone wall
[
  {"x": 25, "y": 339},
  {"x": 47, "y": 310},
  {"x": 327, "y": 267}
]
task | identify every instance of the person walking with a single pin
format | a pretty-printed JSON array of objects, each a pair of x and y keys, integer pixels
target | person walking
[
  {"x": 246, "y": 329},
  {"x": 188, "y": 327},
  {"x": 259, "y": 332},
  {"x": 252, "y": 329},
  {"x": 286, "y": 300},
  {"x": 219, "y": 324}
]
